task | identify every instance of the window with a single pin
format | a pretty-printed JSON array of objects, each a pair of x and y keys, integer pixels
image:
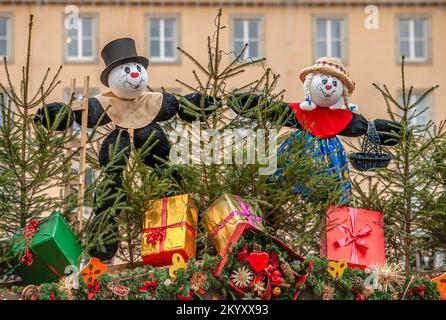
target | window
[
  {"x": 330, "y": 38},
  {"x": 413, "y": 39},
  {"x": 80, "y": 44},
  {"x": 5, "y": 36},
  {"x": 422, "y": 111},
  {"x": 162, "y": 40},
  {"x": 247, "y": 31}
]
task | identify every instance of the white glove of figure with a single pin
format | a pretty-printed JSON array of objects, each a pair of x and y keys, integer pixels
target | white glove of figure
[{"x": 307, "y": 105}]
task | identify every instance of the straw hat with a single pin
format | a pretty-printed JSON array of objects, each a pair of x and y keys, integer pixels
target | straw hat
[{"x": 330, "y": 66}]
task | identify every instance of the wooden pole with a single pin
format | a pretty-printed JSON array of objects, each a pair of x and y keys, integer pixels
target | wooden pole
[
  {"x": 83, "y": 153},
  {"x": 69, "y": 152}
]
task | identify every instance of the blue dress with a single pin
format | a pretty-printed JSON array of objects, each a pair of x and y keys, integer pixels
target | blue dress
[{"x": 327, "y": 149}]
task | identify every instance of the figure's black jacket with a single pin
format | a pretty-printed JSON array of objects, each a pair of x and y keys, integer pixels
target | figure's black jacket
[
  {"x": 388, "y": 131},
  {"x": 98, "y": 117}
]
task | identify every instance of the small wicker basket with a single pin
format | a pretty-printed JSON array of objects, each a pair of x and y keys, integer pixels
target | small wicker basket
[{"x": 371, "y": 157}]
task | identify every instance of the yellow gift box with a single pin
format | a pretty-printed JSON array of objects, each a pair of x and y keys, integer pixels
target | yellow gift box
[
  {"x": 223, "y": 216},
  {"x": 169, "y": 227}
]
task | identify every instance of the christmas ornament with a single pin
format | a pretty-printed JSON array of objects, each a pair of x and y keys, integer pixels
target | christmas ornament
[
  {"x": 198, "y": 280},
  {"x": 93, "y": 270},
  {"x": 241, "y": 277},
  {"x": 258, "y": 261},
  {"x": 336, "y": 268},
  {"x": 276, "y": 291},
  {"x": 327, "y": 292},
  {"x": 130, "y": 114},
  {"x": 276, "y": 278},
  {"x": 389, "y": 276},
  {"x": 258, "y": 288},
  {"x": 441, "y": 285},
  {"x": 177, "y": 263}
]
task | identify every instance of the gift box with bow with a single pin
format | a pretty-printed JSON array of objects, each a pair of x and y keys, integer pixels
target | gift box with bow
[
  {"x": 223, "y": 216},
  {"x": 169, "y": 227},
  {"x": 354, "y": 235},
  {"x": 44, "y": 249}
]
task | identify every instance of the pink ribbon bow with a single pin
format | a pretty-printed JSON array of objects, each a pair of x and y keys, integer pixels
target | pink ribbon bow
[
  {"x": 354, "y": 238},
  {"x": 245, "y": 212}
]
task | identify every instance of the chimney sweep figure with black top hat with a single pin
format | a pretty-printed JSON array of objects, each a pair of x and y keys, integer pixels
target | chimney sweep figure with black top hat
[{"x": 129, "y": 109}]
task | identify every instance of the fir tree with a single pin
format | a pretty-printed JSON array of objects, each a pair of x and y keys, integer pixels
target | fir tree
[
  {"x": 406, "y": 191},
  {"x": 33, "y": 161},
  {"x": 295, "y": 217}
]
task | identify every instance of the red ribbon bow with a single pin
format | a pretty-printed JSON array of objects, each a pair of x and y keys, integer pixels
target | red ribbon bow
[
  {"x": 155, "y": 235},
  {"x": 353, "y": 237}
]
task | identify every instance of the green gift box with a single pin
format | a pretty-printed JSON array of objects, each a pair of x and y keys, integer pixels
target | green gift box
[{"x": 53, "y": 247}]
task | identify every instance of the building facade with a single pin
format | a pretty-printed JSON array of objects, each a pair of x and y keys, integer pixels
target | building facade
[{"x": 290, "y": 34}]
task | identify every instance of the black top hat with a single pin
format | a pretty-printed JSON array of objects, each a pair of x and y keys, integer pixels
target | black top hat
[{"x": 117, "y": 52}]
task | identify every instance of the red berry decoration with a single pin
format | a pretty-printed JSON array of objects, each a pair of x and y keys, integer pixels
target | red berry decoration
[{"x": 258, "y": 261}]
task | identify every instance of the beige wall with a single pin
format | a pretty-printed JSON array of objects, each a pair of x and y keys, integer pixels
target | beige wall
[{"x": 288, "y": 46}]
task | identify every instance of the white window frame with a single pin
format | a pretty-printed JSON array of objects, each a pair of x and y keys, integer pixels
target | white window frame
[
  {"x": 328, "y": 38},
  {"x": 8, "y": 103},
  {"x": 426, "y": 38},
  {"x": 80, "y": 38},
  {"x": 9, "y": 35},
  {"x": 176, "y": 42},
  {"x": 246, "y": 38}
]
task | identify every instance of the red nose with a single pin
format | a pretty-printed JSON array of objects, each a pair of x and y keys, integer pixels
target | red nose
[
  {"x": 134, "y": 74},
  {"x": 328, "y": 87}
]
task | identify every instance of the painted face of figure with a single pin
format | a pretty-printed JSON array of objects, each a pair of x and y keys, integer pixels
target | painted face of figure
[
  {"x": 326, "y": 90},
  {"x": 128, "y": 80}
]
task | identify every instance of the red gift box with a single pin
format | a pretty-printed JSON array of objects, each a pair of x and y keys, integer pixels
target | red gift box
[
  {"x": 243, "y": 229},
  {"x": 354, "y": 235}
]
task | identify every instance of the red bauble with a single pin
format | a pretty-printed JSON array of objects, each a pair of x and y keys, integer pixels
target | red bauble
[{"x": 258, "y": 261}]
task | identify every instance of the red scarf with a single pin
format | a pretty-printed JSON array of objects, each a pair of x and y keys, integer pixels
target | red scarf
[{"x": 322, "y": 122}]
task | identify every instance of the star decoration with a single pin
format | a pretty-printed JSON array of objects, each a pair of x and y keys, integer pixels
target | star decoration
[{"x": 241, "y": 277}]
